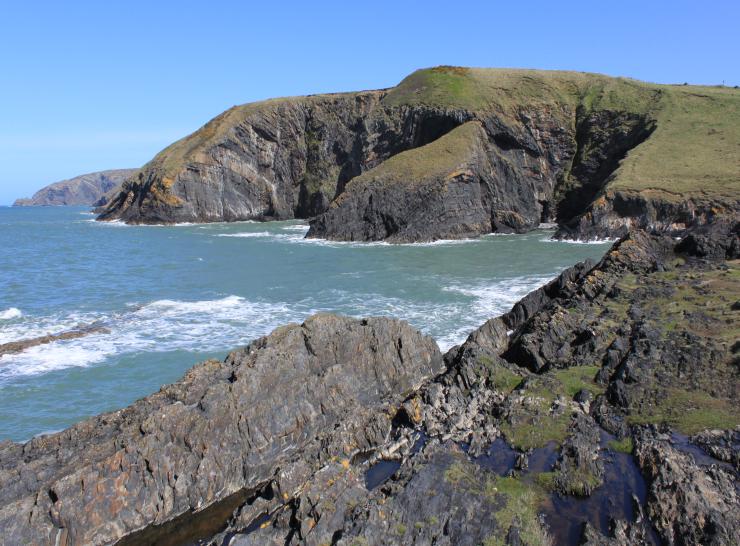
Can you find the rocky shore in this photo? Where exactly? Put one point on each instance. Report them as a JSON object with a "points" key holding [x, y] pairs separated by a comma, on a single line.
{"points": [[602, 409]]}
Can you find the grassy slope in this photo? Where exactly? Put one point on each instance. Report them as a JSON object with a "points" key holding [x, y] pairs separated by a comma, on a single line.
{"points": [[694, 149], [443, 157]]}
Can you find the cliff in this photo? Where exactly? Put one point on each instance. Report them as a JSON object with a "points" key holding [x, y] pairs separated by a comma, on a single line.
{"points": [[602, 409], [457, 152], [86, 189]]}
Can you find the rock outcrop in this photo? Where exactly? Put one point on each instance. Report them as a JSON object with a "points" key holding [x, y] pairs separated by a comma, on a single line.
{"points": [[454, 152], [689, 503], [86, 189], [219, 437]]}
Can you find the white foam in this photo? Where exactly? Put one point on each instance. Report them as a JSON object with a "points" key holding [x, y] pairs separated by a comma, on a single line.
{"points": [[107, 223], [10, 314], [297, 227], [488, 300], [579, 241], [160, 326], [247, 234]]}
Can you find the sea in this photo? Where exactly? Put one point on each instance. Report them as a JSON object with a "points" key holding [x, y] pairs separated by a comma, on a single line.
{"points": [[168, 297]]}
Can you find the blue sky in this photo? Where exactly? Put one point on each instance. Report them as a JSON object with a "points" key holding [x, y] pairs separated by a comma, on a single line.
{"points": [[87, 86]]}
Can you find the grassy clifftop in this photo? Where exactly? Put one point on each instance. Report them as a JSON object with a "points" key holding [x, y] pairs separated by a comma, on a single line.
{"points": [[695, 149], [587, 135]]}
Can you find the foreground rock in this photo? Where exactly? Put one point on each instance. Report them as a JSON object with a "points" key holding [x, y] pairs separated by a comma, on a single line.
{"points": [[689, 503], [218, 437], [455, 152], [86, 189]]}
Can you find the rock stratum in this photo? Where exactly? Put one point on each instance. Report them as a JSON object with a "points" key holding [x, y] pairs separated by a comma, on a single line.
{"points": [[456, 152], [87, 189], [602, 409]]}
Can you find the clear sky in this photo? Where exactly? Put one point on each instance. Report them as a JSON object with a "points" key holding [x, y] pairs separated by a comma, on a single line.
{"points": [[86, 86]]}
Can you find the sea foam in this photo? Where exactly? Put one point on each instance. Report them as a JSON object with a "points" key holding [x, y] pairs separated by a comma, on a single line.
{"points": [[10, 313], [165, 325]]}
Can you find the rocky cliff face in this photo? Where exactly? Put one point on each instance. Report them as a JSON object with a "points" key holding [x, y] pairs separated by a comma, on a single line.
{"points": [[275, 160], [450, 152], [86, 189], [602, 409]]}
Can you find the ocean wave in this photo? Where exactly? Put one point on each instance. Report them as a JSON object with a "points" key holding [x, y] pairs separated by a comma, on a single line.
{"points": [[296, 227], [488, 300], [299, 238], [579, 241], [247, 234], [159, 326], [10, 313], [218, 325]]}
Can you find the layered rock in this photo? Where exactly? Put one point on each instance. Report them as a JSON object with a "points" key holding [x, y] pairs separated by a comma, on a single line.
{"points": [[86, 189], [275, 160], [327, 388]]}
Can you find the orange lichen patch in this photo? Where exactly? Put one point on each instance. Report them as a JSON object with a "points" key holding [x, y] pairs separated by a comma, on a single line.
{"points": [[345, 464], [459, 172]]}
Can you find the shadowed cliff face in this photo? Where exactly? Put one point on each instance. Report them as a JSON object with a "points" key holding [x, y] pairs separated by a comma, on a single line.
{"points": [[402, 173], [494, 174], [279, 160]]}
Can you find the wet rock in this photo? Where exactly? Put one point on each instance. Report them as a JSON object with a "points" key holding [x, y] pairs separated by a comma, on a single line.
{"points": [[19, 346], [579, 470], [442, 498], [688, 503], [723, 445], [304, 393]]}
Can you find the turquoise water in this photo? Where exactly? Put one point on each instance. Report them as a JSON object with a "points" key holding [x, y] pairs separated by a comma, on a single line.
{"points": [[172, 296]]}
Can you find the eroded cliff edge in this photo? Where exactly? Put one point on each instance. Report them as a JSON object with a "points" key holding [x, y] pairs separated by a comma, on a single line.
{"points": [[457, 152], [602, 409]]}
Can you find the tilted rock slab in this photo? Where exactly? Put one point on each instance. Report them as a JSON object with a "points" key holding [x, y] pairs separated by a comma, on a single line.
{"points": [[328, 387]]}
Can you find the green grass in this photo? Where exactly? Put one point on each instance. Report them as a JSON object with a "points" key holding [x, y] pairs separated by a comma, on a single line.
{"points": [[516, 501], [625, 445], [690, 412], [577, 378], [536, 424], [502, 379], [546, 480], [443, 158], [694, 149], [579, 485]]}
